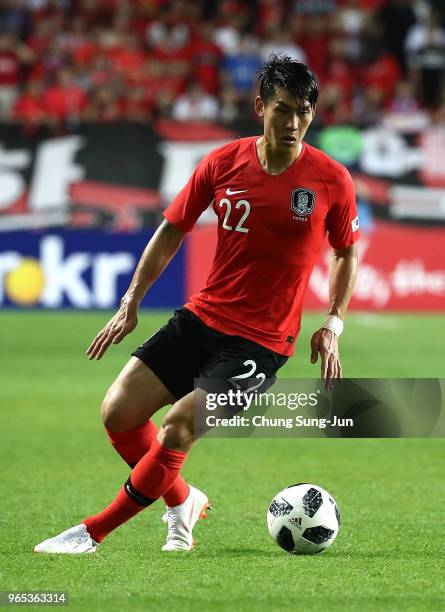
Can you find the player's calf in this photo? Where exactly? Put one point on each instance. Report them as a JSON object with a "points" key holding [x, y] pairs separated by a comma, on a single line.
{"points": [[177, 430]]}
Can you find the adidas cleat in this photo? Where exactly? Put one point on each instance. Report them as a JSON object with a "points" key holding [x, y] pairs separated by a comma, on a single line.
{"points": [[181, 520], [76, 540]]}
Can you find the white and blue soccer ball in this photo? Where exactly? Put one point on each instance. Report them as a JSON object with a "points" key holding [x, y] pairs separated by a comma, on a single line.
{"points": [[303, 519]]}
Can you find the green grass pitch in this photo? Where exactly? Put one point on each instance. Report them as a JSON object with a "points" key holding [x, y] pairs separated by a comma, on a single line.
{"points": [[58, 467]]}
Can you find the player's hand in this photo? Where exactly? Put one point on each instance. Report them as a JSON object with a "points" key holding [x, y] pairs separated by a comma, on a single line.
{"points": [[325, 342], [123, 322]]}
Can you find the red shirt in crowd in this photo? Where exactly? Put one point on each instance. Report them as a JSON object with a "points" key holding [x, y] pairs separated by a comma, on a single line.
{"points": [[28, 108], [9, 68], [62, 103], [84, 53], [206, 61], [382, 74], [270, 231], [342, 74]]}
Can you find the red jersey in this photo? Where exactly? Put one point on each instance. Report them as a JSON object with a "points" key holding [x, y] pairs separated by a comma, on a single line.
{"points": [[270, 231]]}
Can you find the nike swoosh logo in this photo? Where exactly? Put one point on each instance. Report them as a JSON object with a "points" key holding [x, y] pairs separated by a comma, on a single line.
{"points": [[230, 192]]}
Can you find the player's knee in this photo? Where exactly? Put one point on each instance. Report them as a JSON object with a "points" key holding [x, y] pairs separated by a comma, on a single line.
{"points": [[113, 413]]}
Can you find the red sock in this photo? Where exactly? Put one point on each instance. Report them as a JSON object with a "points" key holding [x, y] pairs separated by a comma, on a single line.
{"points": [[152, 476], [134, 444]]}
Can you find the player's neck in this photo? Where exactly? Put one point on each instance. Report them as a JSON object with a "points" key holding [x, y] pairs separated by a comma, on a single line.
{"points": [[273, 161]]}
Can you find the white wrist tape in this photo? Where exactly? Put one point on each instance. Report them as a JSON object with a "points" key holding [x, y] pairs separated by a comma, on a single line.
{"points": [[335, 324]]}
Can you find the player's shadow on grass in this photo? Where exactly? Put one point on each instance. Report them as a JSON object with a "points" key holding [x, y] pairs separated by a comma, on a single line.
{"points": [[385, 554], [236, 553], [251, 552]]}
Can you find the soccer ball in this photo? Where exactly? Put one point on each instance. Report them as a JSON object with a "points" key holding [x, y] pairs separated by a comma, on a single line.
{"points": [[303, 519]]}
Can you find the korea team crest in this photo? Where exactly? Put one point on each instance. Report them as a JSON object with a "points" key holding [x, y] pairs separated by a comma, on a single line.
{"points": [[302, 201]]}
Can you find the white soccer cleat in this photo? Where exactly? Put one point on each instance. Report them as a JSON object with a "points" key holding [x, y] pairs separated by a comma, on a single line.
{"points": [[75, 540], [181, 520]]}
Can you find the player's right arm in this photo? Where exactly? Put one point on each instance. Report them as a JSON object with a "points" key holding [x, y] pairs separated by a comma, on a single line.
{"points": [[180, 217], [157, 254]]}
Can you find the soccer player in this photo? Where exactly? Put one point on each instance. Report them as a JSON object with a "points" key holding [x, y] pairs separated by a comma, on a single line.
{"points": [[275, 198]]}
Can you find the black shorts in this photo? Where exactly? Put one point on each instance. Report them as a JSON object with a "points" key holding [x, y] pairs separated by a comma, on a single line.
{"points": [[185, 350]]}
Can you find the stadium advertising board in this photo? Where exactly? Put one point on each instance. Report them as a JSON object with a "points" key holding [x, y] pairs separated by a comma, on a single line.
{"points": [[400, 269], [82, 269], [113, 175]]}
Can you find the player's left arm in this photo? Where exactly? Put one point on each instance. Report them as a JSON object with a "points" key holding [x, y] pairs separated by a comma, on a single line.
{"points": [[342, 274], [342, 225]]}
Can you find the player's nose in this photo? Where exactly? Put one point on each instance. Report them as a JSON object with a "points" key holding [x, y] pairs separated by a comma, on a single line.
{"points": [[292, 123]]}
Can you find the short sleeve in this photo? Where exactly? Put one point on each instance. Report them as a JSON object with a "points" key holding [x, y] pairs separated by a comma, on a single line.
{"points": [[193, 199], [342, 220]]}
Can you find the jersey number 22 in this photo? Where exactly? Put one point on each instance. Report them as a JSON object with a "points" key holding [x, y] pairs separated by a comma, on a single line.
{"points": [[239, 226]]}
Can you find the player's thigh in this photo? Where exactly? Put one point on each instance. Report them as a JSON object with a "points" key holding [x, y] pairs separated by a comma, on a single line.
{"points": [[236, 364], [174, 352], [135, 395]]}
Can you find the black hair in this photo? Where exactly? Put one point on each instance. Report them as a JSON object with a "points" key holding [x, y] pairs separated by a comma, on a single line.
{"points": [[295, 77]]}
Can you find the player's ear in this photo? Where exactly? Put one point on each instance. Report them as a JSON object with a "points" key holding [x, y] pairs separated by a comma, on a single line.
{"points": [[259, 107]]}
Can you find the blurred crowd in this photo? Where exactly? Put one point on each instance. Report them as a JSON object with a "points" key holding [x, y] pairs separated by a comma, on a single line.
{"points": [[68, 61]]}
